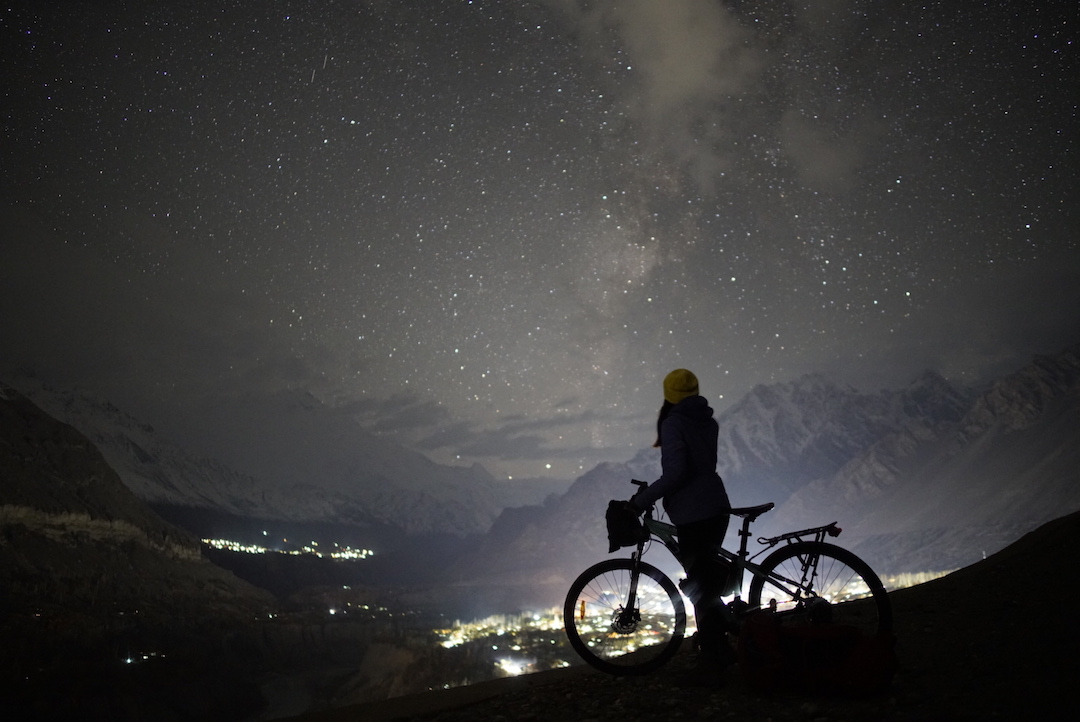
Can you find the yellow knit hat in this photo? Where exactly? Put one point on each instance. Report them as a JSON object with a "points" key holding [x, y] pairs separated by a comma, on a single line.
{"points": [[679, 384]]}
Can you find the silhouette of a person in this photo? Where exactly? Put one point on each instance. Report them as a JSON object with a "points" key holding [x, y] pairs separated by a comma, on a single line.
{"points": [[697, 503]]}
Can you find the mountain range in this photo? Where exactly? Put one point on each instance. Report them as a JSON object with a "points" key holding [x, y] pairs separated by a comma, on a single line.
{"points": [[316, 466], [931, 476]]}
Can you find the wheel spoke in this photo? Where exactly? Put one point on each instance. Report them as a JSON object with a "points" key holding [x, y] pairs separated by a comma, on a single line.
{"points": [[823, 584]]}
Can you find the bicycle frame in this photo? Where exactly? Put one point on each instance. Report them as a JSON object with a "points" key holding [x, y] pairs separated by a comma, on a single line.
{"points": [[802, 579], [741, 560]]}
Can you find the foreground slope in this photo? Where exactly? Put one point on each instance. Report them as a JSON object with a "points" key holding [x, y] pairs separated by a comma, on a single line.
{"points": [[971, 646]]}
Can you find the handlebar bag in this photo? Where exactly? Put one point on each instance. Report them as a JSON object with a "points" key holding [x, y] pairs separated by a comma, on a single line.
{"points": [[624, 527]]}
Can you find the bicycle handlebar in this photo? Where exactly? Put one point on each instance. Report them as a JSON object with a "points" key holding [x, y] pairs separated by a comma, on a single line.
{"points": [[641, 485]]}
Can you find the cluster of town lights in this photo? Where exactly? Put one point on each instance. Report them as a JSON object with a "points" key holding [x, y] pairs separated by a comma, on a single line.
{"points": [[503, 632], [338, 551]]}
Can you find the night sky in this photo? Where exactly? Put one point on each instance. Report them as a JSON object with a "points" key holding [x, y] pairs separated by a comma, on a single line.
{"points": [[488, 229]]}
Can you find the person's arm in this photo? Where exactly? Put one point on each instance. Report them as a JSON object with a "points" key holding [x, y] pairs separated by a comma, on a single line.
{"points": [[674, 464]]}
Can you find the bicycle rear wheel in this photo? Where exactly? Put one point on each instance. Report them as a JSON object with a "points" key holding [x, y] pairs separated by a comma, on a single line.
{"points": [[818, 583], [609, 634]]}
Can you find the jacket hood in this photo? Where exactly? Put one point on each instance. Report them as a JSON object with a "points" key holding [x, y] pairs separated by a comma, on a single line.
{"points": [[694, 407]]}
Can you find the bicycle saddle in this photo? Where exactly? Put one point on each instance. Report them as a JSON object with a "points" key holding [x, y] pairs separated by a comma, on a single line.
{"points": [[752, 512]]}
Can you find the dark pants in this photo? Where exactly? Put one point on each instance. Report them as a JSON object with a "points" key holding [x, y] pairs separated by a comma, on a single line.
{"points": [[698, 544]]}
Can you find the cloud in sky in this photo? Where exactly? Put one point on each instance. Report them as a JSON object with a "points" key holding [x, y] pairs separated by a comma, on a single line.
{"points": [[679, 69], [700, 80]]}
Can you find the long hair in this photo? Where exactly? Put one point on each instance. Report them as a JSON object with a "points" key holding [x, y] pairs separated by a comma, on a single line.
{"points": [[664, 411]]}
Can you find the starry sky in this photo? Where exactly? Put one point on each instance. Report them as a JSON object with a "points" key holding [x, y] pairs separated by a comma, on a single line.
{"points": [[488, 229]]}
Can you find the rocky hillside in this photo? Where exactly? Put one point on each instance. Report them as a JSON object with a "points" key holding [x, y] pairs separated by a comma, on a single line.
{"points": [[70, 525], [92, 578]]}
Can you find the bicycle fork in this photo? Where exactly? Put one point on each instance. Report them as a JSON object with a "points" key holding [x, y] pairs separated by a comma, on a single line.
{"points": [[626, 618]]}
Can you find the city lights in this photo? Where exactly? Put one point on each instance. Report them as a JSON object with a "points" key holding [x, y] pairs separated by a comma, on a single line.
{"points": [[516, 643], [339, 551]]}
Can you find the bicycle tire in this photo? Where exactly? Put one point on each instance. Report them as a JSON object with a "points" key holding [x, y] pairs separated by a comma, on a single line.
{"points": [[855, 595], [591, 617]]}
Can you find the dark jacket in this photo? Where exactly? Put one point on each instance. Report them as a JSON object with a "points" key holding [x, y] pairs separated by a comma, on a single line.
{"points": [[690, 487]]}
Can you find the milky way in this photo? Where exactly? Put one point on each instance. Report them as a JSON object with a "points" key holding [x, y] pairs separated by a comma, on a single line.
{"points": [[489, 228]]}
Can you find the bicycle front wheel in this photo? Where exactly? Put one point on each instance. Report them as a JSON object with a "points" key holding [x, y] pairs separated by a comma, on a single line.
{"points": [[817, 583], [618, 637]]}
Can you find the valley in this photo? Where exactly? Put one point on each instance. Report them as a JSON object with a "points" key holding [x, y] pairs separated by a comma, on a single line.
{"points": [[148, 582]]}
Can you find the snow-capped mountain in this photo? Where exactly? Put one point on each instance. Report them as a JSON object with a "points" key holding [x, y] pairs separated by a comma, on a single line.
{"points": [[778, 438], [954, 490], [316, 468]]}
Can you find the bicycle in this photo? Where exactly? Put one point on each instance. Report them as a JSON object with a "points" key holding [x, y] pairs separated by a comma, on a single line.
{"points": [[626, 616]]}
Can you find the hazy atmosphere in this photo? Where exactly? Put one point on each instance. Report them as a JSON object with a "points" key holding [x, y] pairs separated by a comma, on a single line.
{"points": [[487, 229]]}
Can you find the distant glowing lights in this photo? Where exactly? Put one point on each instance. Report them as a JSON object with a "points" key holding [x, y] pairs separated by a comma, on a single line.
{"points": [[339, 552]]}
